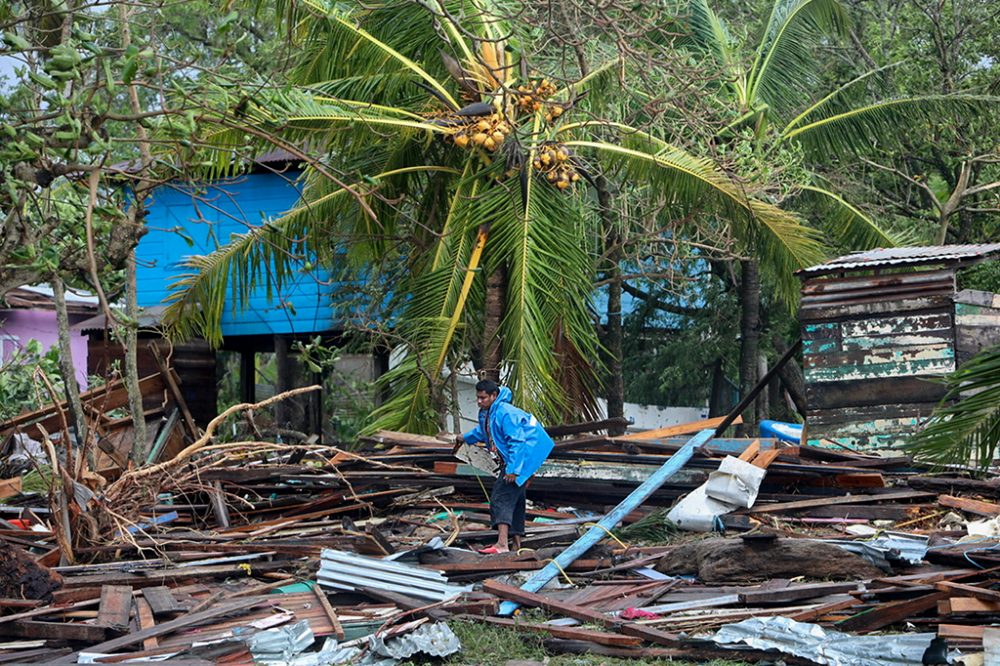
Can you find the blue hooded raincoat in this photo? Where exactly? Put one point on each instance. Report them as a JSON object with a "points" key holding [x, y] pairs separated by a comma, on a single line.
{"points": [[517, 435]]}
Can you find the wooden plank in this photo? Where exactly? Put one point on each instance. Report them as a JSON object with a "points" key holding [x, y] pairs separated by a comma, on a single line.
{"points": [[861, 393], [883, 615], [161, 601], [876, 306], [905, 324], [813, 614], [191, 619], [937, 362], [944, 336], [217, 499], [878, 356], [520, 596], [846, 499], [573, 633], [66, 631], [751, 451], [104, 399], [977, 297], [961, 589], [869, 413], [765, 459], [115, 607], [497, 564], [989, 488], [672, 431], [960, 631], [972, 605], [977, 507], [379, 539], [795, 592], [175, 391], [331, 614], [146, 621]]}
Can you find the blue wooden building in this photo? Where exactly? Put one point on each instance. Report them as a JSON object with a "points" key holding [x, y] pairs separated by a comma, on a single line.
{"points": [[186, 219]]}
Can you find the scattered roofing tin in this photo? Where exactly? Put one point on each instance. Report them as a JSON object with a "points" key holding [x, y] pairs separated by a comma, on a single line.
{"points": [[348, 571]]}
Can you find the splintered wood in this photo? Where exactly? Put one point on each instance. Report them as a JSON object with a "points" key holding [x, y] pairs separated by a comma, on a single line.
{"points": [[229, 541]]}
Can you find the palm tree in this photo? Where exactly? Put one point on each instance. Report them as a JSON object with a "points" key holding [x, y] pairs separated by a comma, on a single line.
{"points": [[439, 150], [776, 111], [968, 429]]}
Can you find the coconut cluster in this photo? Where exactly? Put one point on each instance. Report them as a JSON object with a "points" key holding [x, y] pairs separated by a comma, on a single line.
{"points": [[531, 97], [488, 133], [554, 161]]}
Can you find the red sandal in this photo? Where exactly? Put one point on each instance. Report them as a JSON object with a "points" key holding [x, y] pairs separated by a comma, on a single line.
{"points": [[490, 550]]}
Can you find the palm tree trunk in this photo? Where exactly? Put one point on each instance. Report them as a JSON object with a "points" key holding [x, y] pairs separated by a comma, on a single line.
{"points": [[496, 289], [749, 337]]}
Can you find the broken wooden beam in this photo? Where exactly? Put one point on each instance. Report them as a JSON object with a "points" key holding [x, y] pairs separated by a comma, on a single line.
{"points": [[522, 596]]}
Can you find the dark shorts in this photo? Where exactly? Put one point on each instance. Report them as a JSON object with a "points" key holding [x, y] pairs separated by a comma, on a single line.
{"points": [[507, 506]]}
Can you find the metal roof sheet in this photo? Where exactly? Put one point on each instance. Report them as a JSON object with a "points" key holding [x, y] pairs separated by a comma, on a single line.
{"points": [[903, 256]]}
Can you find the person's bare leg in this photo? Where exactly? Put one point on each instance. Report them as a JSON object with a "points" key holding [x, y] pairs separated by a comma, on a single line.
{"points": [[502, 529], [517, 542]]}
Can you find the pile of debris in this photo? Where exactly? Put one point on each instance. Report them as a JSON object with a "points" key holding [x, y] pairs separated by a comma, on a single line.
{"points": [[304, 554]]}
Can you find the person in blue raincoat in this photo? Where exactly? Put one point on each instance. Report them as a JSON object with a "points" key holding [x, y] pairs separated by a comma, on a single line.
{"points": [[522, 445]]}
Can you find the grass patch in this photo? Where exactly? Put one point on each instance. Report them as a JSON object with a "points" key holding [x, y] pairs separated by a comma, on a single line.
{"points": [[487, 645]]}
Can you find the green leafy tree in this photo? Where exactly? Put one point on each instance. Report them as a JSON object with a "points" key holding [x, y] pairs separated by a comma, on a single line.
{"points": [[784, 125], [433, 148], [20, 390]]}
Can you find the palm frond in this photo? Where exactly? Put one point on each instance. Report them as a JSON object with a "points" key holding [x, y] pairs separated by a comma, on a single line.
{"points": [[781, 238], [710, 34], [848, 223], [784, 65], [842, 98], [269, 255], [339, 44], [967, 431], [860, 128], [426, 321], [549, 276]]}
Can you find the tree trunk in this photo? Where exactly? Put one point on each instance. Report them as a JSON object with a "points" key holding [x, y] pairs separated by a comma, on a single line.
{"points": [[613, 334], [140, 445], [749, 337], [496, 289], [763, 400], [719, 403], [66, 368], [791, 377]]}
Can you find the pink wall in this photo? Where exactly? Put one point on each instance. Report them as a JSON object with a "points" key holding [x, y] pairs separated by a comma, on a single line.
{"points": [[19, 326]]}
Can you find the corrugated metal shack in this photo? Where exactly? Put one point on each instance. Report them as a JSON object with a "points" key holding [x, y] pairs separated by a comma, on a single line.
{"points": [[876, 326]]}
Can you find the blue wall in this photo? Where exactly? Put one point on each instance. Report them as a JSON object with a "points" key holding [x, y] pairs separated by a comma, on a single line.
{"points": [[182, 224]]}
